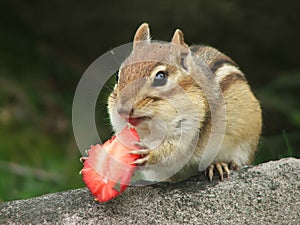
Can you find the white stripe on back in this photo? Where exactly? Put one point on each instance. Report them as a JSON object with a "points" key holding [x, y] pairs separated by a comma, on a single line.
{"points": [[225, 70]]}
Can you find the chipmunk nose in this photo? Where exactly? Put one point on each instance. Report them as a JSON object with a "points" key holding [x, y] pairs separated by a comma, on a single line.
{"points": [[125, 111]]}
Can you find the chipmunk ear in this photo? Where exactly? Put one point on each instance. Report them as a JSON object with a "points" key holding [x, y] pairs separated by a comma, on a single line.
{"points": [[142, 34], [178, 38]]}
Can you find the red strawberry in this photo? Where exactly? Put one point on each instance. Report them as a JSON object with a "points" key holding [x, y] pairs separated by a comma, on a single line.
{"points": [[107, 170]]}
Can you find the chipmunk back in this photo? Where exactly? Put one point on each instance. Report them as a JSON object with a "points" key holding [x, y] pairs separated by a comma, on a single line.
{"points": [[158, 94]]}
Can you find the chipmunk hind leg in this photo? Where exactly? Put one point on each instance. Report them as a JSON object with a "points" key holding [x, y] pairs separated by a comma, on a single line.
{"points": [[222, 168], [231, 157]]}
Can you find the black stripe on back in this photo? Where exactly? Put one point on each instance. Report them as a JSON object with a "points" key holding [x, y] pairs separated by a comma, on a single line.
{"points": [[196, 48], [220, 63]]}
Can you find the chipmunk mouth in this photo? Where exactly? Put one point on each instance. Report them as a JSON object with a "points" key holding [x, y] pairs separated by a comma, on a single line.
{"points": [[135, 121]]}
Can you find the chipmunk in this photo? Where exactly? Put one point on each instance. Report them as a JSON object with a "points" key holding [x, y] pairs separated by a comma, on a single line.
{"points": [[157, 94]]}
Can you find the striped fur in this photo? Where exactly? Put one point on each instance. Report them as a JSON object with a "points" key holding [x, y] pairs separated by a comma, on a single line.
{"points": [[225, 69]]}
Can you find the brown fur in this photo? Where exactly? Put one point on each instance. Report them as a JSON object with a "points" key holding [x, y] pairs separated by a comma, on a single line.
{"points": [[230, 80]]}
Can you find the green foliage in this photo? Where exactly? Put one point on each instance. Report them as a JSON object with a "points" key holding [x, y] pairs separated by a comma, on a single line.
{"points": [[37, 151], [281, 112], [287, 142]]}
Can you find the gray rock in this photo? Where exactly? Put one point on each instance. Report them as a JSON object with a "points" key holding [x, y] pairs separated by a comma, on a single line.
{"points": [[265, 194]]}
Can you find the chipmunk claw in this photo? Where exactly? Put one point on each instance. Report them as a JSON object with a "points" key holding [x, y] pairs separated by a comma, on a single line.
{"points": [[140, 152], [140, 145], [143, 151], [221, 168], [141, 161], [82, 159]]}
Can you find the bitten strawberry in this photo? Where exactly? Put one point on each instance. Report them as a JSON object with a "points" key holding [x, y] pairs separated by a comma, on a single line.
{"points": [[107, 169]]}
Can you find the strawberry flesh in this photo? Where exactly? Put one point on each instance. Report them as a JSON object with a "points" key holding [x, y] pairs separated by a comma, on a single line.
{"points": [[107, 170]]}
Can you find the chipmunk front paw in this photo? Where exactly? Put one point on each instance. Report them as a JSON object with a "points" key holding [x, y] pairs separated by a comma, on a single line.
{"points": [[220, 168], [143, 151]]}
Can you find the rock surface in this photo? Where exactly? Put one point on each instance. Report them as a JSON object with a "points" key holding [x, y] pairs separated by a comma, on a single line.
{"points": [[265, 194]]}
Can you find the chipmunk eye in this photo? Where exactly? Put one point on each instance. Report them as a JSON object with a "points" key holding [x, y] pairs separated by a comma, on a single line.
{"points": [[160, 78]]}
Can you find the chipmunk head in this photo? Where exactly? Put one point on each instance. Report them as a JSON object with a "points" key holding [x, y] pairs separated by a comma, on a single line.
{"points": [[154, 84]]}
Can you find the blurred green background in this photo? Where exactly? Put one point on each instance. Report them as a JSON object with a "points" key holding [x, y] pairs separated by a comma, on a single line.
{"points": [[45, 46]]}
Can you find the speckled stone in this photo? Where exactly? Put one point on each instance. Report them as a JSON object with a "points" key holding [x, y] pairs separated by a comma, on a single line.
{"points": [[265, 194]]}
